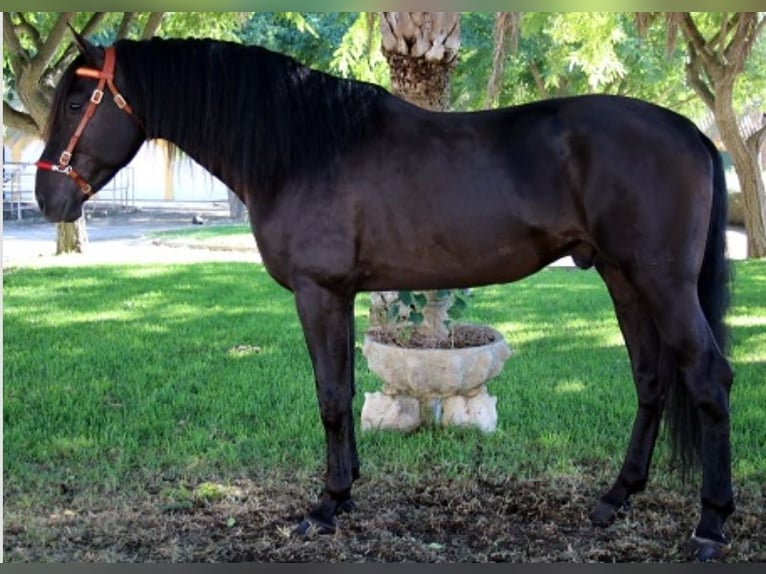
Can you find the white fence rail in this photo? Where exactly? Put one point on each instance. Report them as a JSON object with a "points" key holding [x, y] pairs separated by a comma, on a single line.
{"points": [[19, 190]]}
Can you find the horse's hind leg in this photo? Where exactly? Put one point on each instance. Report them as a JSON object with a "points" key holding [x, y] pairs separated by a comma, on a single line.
{"points": [[675, 308], [644, 350], [327, 321]]}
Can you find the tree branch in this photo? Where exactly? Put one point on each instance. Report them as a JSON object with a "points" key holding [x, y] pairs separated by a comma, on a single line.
{"points": [[506, 37], [693, 69], [152, 25], [92, 23], [17, 54], [726, 25], [372, 20], [745, 34], [697, 41], [52, 43], [125, 22], [23, 122], [616, 86], [643, 21], [30, 30], [539, 81], [671, 32]]}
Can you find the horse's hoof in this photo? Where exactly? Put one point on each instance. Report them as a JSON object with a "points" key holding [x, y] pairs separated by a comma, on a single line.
{"points": [[705, 549], [347, 505], [605, 514], [310, 528]]}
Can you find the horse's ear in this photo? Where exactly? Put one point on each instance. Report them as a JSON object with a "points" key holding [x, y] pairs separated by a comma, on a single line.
{"points": [[93, 54]]}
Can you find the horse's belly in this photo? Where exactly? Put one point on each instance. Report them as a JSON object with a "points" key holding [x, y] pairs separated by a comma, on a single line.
{"points": [[419, 271]]}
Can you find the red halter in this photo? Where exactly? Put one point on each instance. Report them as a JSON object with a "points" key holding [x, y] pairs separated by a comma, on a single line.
{"points": [[104, 76]]}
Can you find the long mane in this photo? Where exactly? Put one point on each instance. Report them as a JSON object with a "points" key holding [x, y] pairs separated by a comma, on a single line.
{"points": [[254, 115]]}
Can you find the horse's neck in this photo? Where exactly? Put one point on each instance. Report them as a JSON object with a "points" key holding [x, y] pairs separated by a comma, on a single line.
{"points": [[204, 151], [260, 125], [192, 126]]}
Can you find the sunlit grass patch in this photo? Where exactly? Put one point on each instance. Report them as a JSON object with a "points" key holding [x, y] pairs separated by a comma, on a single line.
{"points": [[204, 232]]}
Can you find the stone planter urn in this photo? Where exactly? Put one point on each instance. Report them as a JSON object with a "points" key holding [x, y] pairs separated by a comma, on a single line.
{"points": [[424, 386]]}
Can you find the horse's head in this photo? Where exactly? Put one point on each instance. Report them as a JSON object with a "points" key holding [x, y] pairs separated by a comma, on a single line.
{"points": [[91, 134]]}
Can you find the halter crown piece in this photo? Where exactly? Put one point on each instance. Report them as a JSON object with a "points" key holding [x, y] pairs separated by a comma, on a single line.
{"points": [[104, 76]]}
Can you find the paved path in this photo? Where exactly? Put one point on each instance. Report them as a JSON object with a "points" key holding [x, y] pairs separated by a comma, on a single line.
{"points": [[121, 238], [124, 238]]}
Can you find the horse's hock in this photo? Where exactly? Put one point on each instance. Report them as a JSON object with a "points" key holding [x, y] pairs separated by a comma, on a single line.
{"points": [[433, 386]]}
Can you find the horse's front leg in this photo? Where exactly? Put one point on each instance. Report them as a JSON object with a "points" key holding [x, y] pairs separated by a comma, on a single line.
{"points": [[328, 325]]}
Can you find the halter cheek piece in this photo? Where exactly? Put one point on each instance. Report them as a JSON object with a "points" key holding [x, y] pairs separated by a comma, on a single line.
{"points": [[104, 76]]}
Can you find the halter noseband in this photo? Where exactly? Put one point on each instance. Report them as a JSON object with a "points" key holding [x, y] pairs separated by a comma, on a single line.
{"points": [[104, 76]]}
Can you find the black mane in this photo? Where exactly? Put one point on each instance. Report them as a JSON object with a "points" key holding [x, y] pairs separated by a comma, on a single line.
{"points": [[250, 115]]}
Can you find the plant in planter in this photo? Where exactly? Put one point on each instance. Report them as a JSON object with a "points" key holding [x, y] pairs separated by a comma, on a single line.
{"points": [[419, 318], [434, 369]]}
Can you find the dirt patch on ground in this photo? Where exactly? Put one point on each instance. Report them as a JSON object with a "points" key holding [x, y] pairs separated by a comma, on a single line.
{"points": [[461, 336], [467, 520]]}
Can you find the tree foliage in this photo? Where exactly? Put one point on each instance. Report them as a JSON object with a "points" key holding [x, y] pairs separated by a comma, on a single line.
{"points": [[561, 54], [661, 57]]}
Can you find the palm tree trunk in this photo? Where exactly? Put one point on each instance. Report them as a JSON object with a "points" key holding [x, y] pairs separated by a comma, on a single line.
{"points": [[421, 50]]}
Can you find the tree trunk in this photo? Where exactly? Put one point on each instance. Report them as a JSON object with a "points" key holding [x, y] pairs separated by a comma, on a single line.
{"points": [[421, 50], [237, 209], [71, 237], [712, 70], [747, 167], [753, 194]]}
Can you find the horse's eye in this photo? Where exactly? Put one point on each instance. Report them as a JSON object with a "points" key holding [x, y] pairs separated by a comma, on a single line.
{"points": [[75, 106]]}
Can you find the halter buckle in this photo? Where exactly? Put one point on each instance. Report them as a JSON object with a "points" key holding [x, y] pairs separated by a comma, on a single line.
{"points": [[97, 96], [65, 169], [120, 101], [65, 157]]}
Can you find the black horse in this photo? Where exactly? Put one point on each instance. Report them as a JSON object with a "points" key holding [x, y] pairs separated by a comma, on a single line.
{"points": [[351, 189]]}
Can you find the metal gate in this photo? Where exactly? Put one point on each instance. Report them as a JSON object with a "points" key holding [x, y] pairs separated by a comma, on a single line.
{"points": [[19, 191]]}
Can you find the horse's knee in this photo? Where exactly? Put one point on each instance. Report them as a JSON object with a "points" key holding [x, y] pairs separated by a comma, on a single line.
{"points": [[335, 416]]}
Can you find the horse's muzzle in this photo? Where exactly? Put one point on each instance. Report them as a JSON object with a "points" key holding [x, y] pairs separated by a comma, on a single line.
{"points": [[65, 210]]}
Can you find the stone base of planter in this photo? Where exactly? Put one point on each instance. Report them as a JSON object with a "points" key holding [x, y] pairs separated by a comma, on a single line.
{"points": [[404, 413], [478, 411], [390, 412]]}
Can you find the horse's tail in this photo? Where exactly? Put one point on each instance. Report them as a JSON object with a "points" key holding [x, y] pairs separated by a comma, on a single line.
{"points": [[682, 421], [713, 287]]}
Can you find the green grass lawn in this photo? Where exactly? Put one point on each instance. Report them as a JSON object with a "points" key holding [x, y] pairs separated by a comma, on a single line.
{"points": [[117, 377]]}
